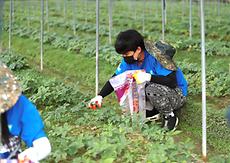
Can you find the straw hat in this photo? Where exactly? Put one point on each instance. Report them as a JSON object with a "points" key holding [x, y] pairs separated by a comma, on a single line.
{"points": [[163, 52], [9, 88]]}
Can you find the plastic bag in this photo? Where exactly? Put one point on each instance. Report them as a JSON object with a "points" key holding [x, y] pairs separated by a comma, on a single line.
{"points": [[130, 95]]}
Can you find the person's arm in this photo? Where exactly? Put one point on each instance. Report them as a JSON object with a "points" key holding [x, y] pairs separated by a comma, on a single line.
{"points": [[107, 89], [169, 80], [40, 149], [32, 132]]}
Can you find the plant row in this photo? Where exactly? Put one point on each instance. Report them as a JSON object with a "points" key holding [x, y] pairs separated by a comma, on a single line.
{"points": [[75, 44], [78, 134], [217, 82], [179, 29]]}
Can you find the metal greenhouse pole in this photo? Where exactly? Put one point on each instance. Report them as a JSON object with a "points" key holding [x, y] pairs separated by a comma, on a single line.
{"points": [[10, 23], [110, 7], [74, 16], [42, 32], [203, 71], [190, 19], [163, 20], [97, 44]]}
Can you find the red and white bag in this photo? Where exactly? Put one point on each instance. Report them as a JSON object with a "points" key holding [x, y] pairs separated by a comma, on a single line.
{"points": [[130, 95]]}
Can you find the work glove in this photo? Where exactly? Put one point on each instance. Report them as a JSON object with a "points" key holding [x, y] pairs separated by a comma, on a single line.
{"points": [[29, 155], [141, 77], [40, 149], [96, 102]]}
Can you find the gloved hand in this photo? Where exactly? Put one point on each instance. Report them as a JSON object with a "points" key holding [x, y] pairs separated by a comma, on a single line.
{"points": [[41, 148], [141, 77], [95, 102], [28, 155]]}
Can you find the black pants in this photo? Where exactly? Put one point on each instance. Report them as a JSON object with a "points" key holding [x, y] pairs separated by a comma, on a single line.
{"points": [[163, 99]]}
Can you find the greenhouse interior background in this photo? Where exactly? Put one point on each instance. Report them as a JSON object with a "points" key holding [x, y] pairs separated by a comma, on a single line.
{"points": [[62, 53]]}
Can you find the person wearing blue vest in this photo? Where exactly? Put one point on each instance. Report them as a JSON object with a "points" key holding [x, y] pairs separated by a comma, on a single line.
{"points": [[20, 120], [166, 87]]}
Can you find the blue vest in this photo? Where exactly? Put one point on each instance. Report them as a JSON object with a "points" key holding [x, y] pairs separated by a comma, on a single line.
{"points": [[152, 66], [25, 121]]}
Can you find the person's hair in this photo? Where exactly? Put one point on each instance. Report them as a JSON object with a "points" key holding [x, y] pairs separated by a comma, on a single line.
{"points": [[129, 40], [5, 130]]}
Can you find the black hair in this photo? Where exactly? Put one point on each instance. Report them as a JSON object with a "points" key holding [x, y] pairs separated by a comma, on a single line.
{"points": [[5, 130], [129, 40]]}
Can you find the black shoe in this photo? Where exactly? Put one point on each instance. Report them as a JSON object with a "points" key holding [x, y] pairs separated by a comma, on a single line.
{"points": [[170, 123], [152, 115]]}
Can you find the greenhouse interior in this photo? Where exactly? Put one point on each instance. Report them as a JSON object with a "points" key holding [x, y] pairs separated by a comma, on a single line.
{"points": [[115, 81]]}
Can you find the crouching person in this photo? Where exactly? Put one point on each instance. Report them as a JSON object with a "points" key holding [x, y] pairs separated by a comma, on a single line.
{"points": [[20, 120], [166, 87]]}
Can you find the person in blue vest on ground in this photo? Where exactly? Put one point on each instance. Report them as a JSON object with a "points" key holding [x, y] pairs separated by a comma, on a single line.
{"points": [[20, 120], [166, 87]]}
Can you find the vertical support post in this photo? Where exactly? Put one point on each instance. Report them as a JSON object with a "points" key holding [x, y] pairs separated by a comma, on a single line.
{"points": [[10, 23], [110, 7], [204, 137], [163, 19], [42, 33], [97, 45], [74, 16], [190, 19]]}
